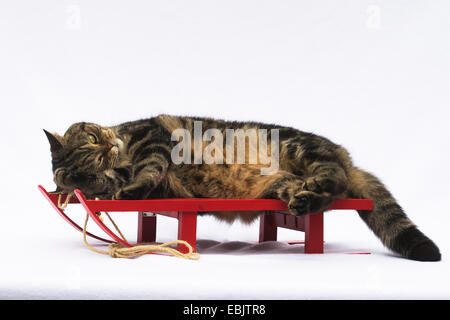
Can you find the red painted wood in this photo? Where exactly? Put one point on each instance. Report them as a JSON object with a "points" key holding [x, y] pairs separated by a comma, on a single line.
{"points": [[53, 199], [146, 228], [185, 210], [314, 233], [187, 230], [169, 206], [288, 221], [171, 214], [210, 205], [267, 228]]}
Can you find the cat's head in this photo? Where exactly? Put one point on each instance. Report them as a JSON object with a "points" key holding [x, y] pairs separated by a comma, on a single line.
{"points": [[85, 147]]}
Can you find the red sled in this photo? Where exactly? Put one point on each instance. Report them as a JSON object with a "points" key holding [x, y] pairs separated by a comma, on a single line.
{"points": [[275, 215]]}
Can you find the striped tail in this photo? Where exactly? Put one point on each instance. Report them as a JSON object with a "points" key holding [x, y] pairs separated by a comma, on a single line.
{"points": [[388, 220]]}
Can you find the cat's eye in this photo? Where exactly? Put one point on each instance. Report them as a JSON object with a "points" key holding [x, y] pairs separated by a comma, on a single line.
{"points": [[92, 139]]}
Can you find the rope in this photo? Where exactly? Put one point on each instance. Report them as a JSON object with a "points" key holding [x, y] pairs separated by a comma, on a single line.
{"points": [[66, 202], [115, 226], [117, 250]]}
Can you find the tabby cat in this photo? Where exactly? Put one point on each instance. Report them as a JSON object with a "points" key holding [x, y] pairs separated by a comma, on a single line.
{"points": [[134, 160]]}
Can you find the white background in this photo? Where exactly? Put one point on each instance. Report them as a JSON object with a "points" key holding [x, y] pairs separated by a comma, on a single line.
{"points": [[373, 76]]}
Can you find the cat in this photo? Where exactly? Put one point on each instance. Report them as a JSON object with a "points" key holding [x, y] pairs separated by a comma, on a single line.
{"points": [[134, 160]]}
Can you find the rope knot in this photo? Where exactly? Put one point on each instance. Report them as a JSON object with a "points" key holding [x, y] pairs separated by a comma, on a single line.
{"points": [[113, 250]]}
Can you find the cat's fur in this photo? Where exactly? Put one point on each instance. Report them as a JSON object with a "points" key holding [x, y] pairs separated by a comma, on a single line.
{"points": [[133, 161]]}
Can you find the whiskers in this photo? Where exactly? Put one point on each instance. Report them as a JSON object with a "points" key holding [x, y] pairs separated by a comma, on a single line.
{"points": [[109, 158]]}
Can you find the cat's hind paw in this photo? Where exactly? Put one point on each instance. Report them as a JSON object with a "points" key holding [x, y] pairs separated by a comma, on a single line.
{"points": [[306, 202]]}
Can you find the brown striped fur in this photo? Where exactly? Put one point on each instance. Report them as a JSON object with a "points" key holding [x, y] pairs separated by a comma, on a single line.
{"points": [[133, 161]]}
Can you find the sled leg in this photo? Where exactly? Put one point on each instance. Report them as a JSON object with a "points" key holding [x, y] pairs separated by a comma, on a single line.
{"points": [[146, 227], [314, 233], [187, 230], [267, 228]]}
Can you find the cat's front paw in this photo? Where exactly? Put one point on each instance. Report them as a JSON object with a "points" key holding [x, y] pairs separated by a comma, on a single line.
{"points": [[65, 179], [124, 194], [132, 192], [59, 175], [306, 202]]}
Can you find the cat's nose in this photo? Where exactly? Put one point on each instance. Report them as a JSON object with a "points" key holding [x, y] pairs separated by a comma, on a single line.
{"points": [[110, 145]]}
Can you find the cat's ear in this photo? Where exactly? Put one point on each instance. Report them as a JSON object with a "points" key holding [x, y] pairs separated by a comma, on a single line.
{"points": [[55, 143]]}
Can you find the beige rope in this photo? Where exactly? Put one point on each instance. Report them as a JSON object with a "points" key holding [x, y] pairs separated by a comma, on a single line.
{"points": [[66, 202], [115, 226], [113, 223], [117, 250]]}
